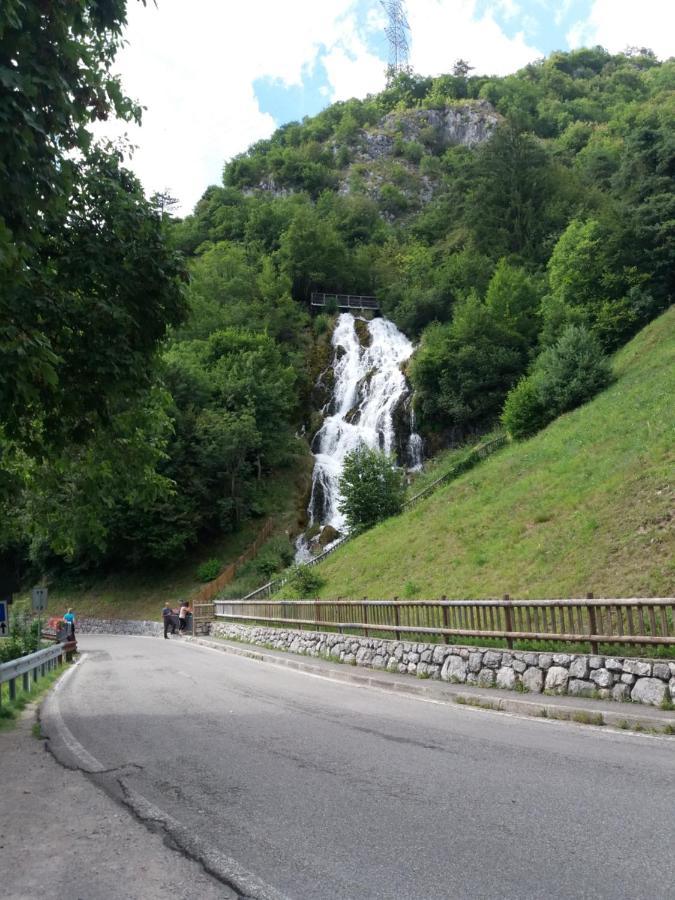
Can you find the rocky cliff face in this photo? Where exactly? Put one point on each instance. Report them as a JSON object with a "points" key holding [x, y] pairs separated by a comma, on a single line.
{"points": [[377, 159], [468, 124]]}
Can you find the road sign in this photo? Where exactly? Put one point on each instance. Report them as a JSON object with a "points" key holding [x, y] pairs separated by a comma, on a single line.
{"points": [[39, 597], [4, 624]]}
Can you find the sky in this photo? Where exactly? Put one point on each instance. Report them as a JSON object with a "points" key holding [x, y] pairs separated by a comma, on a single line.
{"points": [[215, 76]]}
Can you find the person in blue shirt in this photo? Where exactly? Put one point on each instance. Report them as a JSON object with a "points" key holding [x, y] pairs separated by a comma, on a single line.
{"points": [[69, 619]]}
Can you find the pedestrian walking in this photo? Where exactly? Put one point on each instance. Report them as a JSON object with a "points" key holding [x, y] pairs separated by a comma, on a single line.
{"points": [[69, 619], [183, 613], [169, 620]]}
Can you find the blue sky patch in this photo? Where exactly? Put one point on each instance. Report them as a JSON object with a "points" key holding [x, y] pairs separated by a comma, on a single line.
{"points": [[544, 23], [290, 103]]}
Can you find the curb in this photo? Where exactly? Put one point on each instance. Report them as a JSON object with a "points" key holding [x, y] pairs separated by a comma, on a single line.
{"points": [[492, 700]]}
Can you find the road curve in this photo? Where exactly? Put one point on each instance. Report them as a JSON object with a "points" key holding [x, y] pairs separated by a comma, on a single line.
{"points": [[305, 788]]}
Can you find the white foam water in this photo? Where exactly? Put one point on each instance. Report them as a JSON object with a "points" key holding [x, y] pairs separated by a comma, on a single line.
{"points": [[369, 384]]}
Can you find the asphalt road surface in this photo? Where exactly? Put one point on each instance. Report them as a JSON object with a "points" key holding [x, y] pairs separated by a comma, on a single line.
{"points": [[288, 785]]}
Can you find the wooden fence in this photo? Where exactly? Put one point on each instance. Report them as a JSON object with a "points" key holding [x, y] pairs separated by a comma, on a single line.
{"points": [[608, 621], [202, 604]]}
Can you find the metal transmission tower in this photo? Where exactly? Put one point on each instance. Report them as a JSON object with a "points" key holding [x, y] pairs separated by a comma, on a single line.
{"points": [[397, 32]]}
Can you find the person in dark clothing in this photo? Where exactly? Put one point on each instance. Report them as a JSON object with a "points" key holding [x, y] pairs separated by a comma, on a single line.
{"points": [[168, 616]]}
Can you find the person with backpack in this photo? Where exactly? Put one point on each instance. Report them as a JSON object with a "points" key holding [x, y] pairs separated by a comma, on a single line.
{"points": [[168, 617]]}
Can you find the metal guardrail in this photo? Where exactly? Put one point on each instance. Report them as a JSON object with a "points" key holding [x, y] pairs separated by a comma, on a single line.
{"points": [[475, 455], [344, 301], [607, 621], [40, 662]]}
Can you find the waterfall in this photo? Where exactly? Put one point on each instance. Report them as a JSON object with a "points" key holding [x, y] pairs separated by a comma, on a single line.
{"points": [[369, 385]]}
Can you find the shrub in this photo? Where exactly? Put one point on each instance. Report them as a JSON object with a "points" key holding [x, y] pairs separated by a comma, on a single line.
{"points": [[524, 412], [274, 556], [372, 487], [307, 580], [572, 371], [321, 324], [209, 570], [563, 377]]}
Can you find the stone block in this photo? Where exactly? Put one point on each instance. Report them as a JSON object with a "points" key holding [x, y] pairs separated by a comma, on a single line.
{"points": [[392, 665], [602, 678], [627, 679], [379, 662], [596, 662], [519, 666], [671, 688], [652, 691], [426, 655], [507, 659], [506, 678], [561, 659], [412, 668], [545, 661], [486, 678], [475, 662], [556, 679], [621, 693], [413, 657], [454, 670], [492, 659], [637, 667], [661, 670], [398, 651], [472, 678], [422, 670], [532, 659], [577, 687], [614, 665], [533, 680], [579, 667], [439, 655]]}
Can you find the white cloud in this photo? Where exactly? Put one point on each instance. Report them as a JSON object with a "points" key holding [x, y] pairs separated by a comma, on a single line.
{"points": [[617, 24], [193, 67], [446, 30]]}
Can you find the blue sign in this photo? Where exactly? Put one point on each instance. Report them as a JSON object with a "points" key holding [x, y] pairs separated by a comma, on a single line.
{"points": [[4, 629]]}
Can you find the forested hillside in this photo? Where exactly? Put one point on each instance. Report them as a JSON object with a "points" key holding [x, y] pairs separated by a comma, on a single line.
{"points": [[500, 221]]}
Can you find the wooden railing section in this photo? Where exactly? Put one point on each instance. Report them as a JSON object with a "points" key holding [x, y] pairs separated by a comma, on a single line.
{"points": [[202, 603], [344, 301], [596, 621]]}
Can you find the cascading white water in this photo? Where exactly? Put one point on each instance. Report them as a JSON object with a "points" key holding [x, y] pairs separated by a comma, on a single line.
{"points": [[369, 384]]}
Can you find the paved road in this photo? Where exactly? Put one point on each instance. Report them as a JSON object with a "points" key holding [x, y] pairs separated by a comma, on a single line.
{"points": [[310, 789]]}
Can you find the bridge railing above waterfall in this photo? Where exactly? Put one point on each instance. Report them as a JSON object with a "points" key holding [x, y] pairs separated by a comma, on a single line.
{"points": [[344, 301]]}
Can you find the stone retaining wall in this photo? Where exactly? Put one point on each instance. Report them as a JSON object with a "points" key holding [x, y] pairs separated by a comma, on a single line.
{"points": [[118, 626], [607, 678]]}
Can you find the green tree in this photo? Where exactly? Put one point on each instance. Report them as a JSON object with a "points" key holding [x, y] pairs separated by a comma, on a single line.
{"points": [[372, 488], [563, 377], [463, 370]]}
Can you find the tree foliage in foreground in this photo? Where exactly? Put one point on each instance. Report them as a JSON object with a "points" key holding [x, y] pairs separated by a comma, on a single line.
{"points": [[372, 488]]}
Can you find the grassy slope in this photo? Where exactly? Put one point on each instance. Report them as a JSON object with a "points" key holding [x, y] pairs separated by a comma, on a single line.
{"points": [[586, 505], [141, 594]]}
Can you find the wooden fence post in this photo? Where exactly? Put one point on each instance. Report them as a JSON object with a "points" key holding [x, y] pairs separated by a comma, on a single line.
{"points": [[592, 625], [508, 620], [365, 617], [446, 622], [397, 620]]}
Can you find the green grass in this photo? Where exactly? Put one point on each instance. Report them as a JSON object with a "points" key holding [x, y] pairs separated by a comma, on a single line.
{"points": [[586, 505], [141, 594], [10, 709]]}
